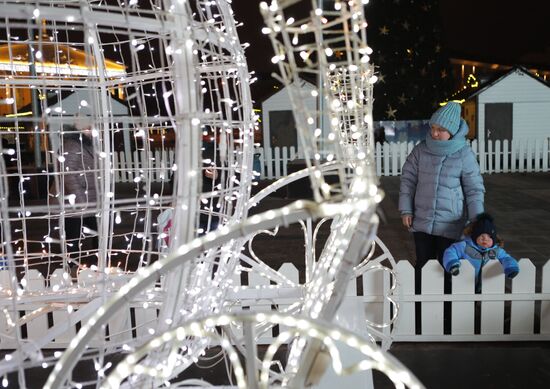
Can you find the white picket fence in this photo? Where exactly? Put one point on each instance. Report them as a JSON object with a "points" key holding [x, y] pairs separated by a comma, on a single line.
{"points": [[497, 323], [518, 155], [153, 166]]}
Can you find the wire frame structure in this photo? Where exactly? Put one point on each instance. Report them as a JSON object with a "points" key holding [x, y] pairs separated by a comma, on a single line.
{"points": [[329, 42], [127, 131], [139, 78]]}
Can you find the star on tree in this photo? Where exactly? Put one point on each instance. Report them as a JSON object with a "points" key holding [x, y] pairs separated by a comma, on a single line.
{"points": [[402, 99], [412, 60], [381, 78], [390, 112]]}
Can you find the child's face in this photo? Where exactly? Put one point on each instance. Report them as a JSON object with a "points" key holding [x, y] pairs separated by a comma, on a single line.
{"points": [[439, 133], [484, 240]]}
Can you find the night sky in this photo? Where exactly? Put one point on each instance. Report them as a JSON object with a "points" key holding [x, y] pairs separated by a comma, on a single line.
{"points": [[413, 40]]}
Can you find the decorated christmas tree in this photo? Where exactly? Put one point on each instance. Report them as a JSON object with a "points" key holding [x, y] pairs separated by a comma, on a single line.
{"points": [[413, 67]]}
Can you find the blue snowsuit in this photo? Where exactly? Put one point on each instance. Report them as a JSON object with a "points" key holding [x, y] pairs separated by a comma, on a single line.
{"points": [[478, 256]]}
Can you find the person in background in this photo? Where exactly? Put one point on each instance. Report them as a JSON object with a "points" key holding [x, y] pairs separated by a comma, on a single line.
{"points": [[481, 245], [79, 185], [441, 188], [208, 218]]}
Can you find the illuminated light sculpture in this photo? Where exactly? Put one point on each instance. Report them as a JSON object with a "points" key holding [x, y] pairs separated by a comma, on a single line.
{"points": [[184, 77], [164, 91], [328, 334], [309, 46]]}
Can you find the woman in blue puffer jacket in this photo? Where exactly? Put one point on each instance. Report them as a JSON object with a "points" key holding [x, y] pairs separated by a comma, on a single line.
{"points": [[481, 246], [441, 187]]}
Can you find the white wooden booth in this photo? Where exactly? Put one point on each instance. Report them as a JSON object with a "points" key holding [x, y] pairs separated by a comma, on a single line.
{"points": [[515, 106], [70, 105], [279, 104]]}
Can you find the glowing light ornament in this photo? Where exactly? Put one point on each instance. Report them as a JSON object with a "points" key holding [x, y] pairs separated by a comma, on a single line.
{"points": [[346, 93], [145, 83], [193, 47], [257, 370]]}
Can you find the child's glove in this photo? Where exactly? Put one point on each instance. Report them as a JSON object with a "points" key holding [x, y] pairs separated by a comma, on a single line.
{"points": [[511, 273], [454, 270]]}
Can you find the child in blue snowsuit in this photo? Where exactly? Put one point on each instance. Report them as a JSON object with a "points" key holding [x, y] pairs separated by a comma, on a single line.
{"points": [[480, 247]]}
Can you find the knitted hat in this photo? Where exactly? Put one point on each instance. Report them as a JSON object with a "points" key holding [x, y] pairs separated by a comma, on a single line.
{"points": [[484, 225], [448, 117]]}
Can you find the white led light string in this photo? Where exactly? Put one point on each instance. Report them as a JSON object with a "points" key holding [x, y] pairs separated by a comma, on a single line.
{"points": [[116, 28], [306, 328], [208, 52], [341, 84]]}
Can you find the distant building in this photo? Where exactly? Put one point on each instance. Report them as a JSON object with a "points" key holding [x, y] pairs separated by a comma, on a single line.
{"points": [[52, 69], [279, 128], [515, 105], [57, 62], [468, 73]]}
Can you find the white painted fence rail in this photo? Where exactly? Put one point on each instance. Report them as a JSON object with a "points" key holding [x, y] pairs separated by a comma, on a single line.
{"points": [[153, 166], [518, 155], [501, 315]]}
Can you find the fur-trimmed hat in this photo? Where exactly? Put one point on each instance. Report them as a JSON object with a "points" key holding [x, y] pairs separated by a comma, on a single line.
{"points": [[448, 117], [484, 225]]}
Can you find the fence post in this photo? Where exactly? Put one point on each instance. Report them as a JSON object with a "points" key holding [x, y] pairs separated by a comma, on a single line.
{"points": [[260, 151], [59, 282], [116, 167], [394, 158], [522, 155], [171, 158], [498, 156], [489, 156], [513, 157], [123, 167], [482, 155], [402, 155], [506, 155], [285, 160], [38, 326], [530, 146], [523, 312], [538, 155], [432, 312], [378, 156], [291, 272], [492, 312], [277, 162], [373, 286], [291, 153], [386, 155], [158, 165], [269, 162], [545, 305], [256, 280], [404, 325], [462, 321], [545, 154]]}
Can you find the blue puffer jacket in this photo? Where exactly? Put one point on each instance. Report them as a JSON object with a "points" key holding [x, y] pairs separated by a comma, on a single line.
{"points": [[478, 257], [435, 189]]}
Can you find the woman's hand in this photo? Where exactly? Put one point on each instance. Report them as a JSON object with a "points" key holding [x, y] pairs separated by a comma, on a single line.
{"points": [[211, 173], [407, 220]]}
